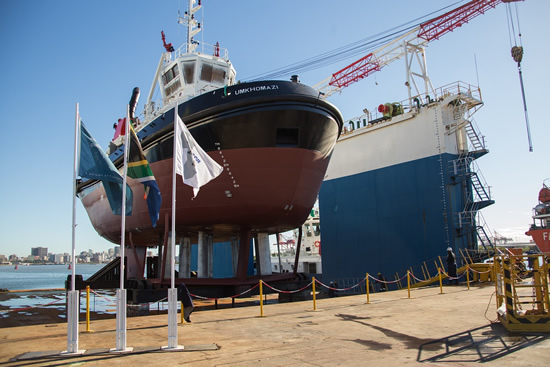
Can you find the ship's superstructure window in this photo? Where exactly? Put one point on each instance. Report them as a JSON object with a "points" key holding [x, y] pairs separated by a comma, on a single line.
{"points": [[170, 74], [213, 74], [316, 229], [189, 71], [172, 87], [171, 80]]}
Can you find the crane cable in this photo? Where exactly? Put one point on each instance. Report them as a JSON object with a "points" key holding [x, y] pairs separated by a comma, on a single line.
{"points": [[345, 52], [517, 55]]}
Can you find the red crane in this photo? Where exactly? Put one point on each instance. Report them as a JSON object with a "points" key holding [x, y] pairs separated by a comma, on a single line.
{"points": [[412, 41]]}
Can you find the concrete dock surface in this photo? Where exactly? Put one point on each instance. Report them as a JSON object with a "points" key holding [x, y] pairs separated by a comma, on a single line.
{"points": [[456, 328]]}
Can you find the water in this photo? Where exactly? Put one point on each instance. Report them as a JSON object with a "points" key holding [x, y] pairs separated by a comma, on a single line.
{"points": [[50, 277], [41, 276]]}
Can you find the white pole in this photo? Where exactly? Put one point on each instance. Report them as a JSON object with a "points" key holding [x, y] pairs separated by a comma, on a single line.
{"points": [[72, 295], [124, 178], [76, 146], [172, 292], [173, 239], [121, 292]]}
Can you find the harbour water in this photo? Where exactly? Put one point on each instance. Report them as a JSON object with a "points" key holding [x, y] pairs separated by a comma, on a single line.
{"points": [[41, 276], [34, 289]]}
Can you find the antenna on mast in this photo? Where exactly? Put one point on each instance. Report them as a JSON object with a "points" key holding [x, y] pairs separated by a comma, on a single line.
{"points": [[193, 26]]}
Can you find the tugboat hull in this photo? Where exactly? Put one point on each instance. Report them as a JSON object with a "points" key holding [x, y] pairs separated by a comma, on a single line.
{"points": [[274, 144]]}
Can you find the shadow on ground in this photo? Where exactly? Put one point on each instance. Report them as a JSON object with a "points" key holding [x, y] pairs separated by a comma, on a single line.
{"points": [[483, 344]]}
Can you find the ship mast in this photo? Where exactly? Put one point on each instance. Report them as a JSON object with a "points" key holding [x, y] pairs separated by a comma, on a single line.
{"points": [[193, 27]]}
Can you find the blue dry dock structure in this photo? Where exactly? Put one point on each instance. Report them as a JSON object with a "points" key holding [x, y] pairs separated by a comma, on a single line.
{"points": [[420, 195], [403, 184]]}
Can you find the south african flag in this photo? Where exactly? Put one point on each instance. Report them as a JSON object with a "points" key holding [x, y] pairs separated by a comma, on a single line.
{"points": [[138, 168]]}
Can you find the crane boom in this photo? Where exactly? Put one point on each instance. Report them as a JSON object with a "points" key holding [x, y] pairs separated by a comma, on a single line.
{"points": [[418, 37]]}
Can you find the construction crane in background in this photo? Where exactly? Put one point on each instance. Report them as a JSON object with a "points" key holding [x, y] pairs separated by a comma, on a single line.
{"points": [[411, 46]]}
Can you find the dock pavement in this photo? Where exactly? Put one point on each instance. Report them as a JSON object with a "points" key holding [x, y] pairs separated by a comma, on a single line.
{"points": [[455, 328]]}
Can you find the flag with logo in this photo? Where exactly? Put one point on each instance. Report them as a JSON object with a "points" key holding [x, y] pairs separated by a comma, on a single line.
{"points": [[94, 164], [192, 163], [139, 169]]}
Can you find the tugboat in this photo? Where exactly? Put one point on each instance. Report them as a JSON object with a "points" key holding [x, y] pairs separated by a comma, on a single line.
{"points": [[540, 229], [274, 140]]}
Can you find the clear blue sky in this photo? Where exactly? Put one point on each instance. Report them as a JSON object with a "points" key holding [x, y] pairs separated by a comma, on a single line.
{"points": [[57, 53]]}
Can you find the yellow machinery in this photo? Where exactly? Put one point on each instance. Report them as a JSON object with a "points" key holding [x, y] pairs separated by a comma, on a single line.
{"points": [[522, 292]]}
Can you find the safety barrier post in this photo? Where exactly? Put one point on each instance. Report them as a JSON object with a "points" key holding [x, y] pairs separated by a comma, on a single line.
{"points": [[440, 281], [261, 300], [409, 283], [88, 310], [314, 298], [468, 276], [367, 283], [181, 321]]}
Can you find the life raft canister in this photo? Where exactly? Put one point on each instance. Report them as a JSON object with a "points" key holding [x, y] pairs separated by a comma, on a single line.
{"points": [[544, 195]]}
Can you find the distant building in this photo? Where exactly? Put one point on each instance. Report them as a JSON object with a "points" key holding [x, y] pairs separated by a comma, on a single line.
{"points": [[40, 252]]}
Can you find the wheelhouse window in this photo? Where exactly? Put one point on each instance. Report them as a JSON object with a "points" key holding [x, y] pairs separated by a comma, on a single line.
{"points": [[172, 73], [188, 71], [213, 74], [171, 80]]}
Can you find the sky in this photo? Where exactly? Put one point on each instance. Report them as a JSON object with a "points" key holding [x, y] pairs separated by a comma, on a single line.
{"points": [[58, 53]]}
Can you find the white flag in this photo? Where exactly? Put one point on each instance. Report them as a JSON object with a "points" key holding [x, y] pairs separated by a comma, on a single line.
{"points": [[192, 163]]}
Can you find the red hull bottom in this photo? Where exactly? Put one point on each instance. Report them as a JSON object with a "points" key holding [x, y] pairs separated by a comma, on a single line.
{"points": [[265, 190]]}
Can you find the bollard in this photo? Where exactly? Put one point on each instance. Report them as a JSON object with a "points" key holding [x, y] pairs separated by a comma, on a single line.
{"points": [[314, 298], [440, 281], [409, 283], [367, 277], [261, 299], [88, 310], [181, 321], [468, 276]]}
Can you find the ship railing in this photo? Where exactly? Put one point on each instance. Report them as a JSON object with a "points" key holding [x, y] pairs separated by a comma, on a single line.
{"points": [[203, 48], [373, 116]]}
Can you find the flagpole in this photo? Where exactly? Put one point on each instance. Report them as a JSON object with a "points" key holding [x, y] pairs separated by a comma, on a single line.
{"points": [[121, 292], [76, 144], [73, 295], [173, 240], [172, 292]]}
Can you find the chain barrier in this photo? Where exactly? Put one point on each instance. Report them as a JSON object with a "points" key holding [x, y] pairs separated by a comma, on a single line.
{"points": [[388, 281], [229, 297], [361, 282], [102, 296], [287, 292], [340, 289]]}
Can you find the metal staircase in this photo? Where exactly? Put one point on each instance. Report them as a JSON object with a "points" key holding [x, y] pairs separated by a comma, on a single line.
{"points": [[465, 171]]}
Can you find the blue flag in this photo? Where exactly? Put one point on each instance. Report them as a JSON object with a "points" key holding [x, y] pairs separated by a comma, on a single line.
{"points": [[95, 164]]}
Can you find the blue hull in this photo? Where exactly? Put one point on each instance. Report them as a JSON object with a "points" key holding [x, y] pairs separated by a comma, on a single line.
{"points": [[391, 219]]}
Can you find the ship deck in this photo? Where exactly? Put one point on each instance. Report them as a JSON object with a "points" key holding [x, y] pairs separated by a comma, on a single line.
{"points": [[429, 329]]}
